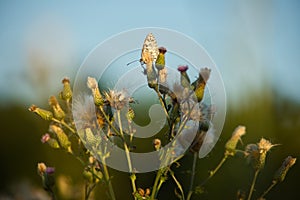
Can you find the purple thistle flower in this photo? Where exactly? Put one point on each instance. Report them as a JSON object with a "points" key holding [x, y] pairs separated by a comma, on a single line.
{"points": [[182, 68], [45, 138]]}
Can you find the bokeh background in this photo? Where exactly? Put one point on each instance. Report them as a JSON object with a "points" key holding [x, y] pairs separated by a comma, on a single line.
{"points": [[255, 44]]}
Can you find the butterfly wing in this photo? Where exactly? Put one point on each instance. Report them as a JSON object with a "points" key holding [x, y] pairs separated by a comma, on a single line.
{"points": [[150, 49]]}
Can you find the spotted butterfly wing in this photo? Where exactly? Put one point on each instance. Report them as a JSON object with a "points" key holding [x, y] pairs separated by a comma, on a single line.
{"points": [[150, 49]]}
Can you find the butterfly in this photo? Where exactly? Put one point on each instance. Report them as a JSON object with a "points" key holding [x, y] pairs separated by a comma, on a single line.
{"points": [[149, 50]]}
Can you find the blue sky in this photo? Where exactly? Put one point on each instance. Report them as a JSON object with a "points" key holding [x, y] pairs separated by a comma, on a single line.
{"points": [[252, 42]]}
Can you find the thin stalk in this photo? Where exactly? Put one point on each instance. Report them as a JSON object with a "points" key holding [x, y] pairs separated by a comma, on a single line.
{"points": [[107, 178], [84, 164], [64, 124], [177, 183], [107, 120], [155, 186], [130, 131], [268, 190], [163, 105], [192, 177], [161, 181], [132, 177], [88, 190], [253, 184], [212, 173], [52, 194]]}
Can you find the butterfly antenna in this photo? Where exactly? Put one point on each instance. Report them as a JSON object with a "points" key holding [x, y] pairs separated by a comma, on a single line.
{"points": [[132, 62]]}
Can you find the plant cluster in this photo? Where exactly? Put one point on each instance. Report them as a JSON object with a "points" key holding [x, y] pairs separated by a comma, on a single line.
{"points": [[89, 126]]}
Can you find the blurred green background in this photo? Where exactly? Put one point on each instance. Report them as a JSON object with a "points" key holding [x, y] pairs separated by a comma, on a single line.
{"points": [[255, 44]]}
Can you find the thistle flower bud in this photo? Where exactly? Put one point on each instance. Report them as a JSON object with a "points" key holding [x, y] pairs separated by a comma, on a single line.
{"points": [[63, 139], [252, 154], [147, 192], [57, 111], [282, 171], [50, 141], [184, 78], [199, 84], [256, 153], [130, 114], [141, 192], [46, 174], [117, 99], [230, 146], [44, 114], [93, 85], [90, 138], [157, 144], [53, 143], [66, 94], [41, 168], [160, 61]]}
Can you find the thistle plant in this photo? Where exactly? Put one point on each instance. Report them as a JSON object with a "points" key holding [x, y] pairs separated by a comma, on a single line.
{"points": [[91, 126]]}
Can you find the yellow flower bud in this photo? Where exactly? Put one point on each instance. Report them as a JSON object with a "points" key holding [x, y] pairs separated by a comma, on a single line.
{"points": [[66, 94], [63, 139], [283, 170], [44, 114], [93, 85], [57, 111], [230, 146]]}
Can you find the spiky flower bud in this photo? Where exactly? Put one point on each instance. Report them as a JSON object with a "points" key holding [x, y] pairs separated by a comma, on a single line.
{"points": [[160, 61], [184, 78], [93, 85], [41, 168], [90, 138], [256, 153], [117, 99], [44, 114], [50, 141], [62, 138], [46, 175], [252, 154], [283, 170], [130, 114], [199, 84], [147, 192], [66, 93], [57, 111], [230, 145]]}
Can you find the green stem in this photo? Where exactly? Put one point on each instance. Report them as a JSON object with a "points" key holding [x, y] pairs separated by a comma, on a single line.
{"points": [[108, 121], [177, 183], [107, 178], [155, 186], [160, 184], [212, 173], [253, 184], [127, 153], [163, 105], [192, 176], [64, 124], [88, 190], [268, 190], [52, 194]]}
